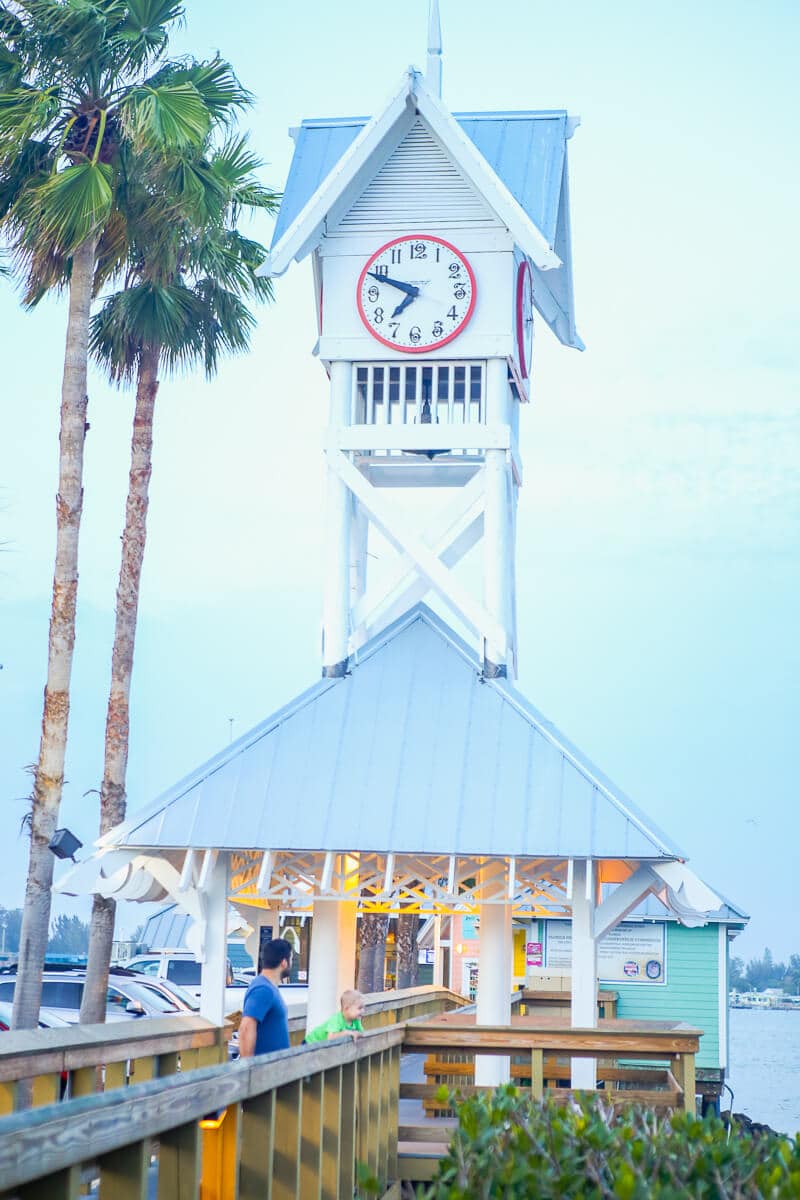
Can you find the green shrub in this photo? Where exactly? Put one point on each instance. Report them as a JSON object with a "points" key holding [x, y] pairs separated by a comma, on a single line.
{"points": [[509, 1147]]}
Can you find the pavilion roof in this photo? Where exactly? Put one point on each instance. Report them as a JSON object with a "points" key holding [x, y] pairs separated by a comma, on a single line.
{"points": [[412, 752]]}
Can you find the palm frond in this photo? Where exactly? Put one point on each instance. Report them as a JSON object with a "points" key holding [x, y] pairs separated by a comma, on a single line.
{"points": [[215, 81], [24, 112], [75, 202], [166, 116], [144, 28], [146, 315]]}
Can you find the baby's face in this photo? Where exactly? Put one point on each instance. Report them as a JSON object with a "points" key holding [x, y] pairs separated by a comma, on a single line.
{"points": [[353, 1011]]}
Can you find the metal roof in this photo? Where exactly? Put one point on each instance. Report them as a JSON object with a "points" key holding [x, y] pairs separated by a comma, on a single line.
{"points": [[652, 909], [413, 752], [524, 149]]}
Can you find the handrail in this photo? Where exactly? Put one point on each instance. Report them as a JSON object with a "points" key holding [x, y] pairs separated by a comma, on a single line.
{"points": [[576, 1042], [94, 1126], [24, 1052]]}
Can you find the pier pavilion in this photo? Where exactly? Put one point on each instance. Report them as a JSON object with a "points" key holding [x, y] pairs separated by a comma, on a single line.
{"points": [[414, 776]]}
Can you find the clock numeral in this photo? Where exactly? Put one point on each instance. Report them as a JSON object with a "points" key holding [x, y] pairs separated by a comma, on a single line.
{"points": [[397, 254], [451, 312], [459, 292], [415, 334], [394, 326], [372, 294], [438, 251], [377, 316], [380, 270], [419, 250], [438, 329], [455, 268]]}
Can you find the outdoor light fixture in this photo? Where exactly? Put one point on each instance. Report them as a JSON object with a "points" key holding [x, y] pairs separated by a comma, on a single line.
{"points": [[64, 844]]}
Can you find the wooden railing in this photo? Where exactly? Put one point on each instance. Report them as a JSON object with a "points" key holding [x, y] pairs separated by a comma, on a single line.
{"points": [[546, 1051], [290, 1125], [295, 1125], [88, 1058], [389, 1008]]}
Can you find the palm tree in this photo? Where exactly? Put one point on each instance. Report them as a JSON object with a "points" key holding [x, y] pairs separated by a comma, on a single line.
{"points": [[186, 283], [78, 81]]}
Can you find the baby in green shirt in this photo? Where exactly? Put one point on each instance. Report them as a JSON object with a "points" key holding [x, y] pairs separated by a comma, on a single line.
{"points": [[347, 1020]]}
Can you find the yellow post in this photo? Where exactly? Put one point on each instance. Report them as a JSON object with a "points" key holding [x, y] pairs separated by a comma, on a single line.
{"points": [[220, 1155]]}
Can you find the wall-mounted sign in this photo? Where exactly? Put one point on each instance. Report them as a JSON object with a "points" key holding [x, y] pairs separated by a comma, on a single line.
{"points": [[533, 954], [470, 926], [631, 953]]}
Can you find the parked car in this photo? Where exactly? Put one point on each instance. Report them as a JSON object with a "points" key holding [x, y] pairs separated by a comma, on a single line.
{"points": [[47, 1018], [62, 991], [185, 1001], [181, 967]]}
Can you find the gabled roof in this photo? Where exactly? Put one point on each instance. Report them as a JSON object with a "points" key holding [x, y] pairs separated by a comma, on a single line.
{"points": [[413, 752], [653, 909], [516, 160]]}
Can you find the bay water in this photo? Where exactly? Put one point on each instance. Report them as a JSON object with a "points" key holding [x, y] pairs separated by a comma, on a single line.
{"points": [[764, 1069]]}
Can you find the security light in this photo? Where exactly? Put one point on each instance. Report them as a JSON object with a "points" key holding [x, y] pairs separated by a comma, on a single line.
{"points": [[64, 844]]}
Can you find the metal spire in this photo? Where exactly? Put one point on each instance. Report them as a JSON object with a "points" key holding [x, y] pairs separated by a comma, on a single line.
{"points": [[433, 73]]}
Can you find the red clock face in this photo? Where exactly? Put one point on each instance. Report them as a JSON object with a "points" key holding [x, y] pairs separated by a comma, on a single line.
{"points": [[524, 318], [416, 293]]}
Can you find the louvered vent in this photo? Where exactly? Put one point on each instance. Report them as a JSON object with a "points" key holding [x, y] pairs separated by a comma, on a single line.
{"points": [[418, 188]]}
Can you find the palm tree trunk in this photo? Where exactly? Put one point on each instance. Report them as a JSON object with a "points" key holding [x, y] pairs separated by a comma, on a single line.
{"points": [[407, 958], [112, 790], [372, 952], [49, 774]]}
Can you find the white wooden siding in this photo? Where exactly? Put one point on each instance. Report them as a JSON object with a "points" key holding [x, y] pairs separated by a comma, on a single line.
{"points": [[419, 187]]}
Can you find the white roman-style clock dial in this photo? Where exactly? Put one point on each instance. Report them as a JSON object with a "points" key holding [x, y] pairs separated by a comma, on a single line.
{"points": [[416, 293]]}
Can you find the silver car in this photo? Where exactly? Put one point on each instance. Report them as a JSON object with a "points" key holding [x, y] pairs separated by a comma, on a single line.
{"points": [[62, 992]]}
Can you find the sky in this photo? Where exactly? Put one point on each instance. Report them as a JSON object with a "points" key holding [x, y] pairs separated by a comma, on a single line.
{"points": [[658, 534]]}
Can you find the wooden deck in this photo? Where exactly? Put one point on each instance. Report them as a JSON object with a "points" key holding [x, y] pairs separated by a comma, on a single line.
{"points": [[292, 1125]]}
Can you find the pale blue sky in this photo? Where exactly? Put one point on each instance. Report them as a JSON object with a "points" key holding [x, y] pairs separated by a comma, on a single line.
{"points": [[658, 534]]}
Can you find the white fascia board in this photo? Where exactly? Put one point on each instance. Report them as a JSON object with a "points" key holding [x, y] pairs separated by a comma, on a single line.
{"points": [[469, 159], [301, 234], [437, 436]]}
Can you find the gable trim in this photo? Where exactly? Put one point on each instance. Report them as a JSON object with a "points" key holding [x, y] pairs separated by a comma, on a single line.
{"points": [[370, 150]]}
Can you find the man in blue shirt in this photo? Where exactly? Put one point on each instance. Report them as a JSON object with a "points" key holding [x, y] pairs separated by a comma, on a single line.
{"points": [[265, 1023]]}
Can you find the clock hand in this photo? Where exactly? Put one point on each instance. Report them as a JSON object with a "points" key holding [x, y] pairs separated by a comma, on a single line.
{"points": [[404, 305], [397, 283]]}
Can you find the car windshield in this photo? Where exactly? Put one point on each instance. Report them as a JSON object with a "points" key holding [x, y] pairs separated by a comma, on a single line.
{"points": [[174, 989], [149, 999]]}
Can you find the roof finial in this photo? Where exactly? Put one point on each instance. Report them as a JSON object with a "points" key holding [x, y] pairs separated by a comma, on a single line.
{"points": [[433, 73]]}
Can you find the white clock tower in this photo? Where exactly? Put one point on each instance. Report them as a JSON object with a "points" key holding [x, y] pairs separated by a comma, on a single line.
{"points": [[435, 237]]}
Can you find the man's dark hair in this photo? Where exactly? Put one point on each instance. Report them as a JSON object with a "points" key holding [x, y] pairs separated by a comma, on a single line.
{"points": [[274, 952]]}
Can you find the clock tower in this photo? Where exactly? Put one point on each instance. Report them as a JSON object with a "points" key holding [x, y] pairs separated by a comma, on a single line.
{"points": [[438, 242]]}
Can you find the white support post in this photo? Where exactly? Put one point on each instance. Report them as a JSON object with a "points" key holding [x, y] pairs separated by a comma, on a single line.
{"points": [[493, 1006], [332, 961], [359, 532], [497, 526], [584, 966], [215, 945], [438, 959], [336, 600]]}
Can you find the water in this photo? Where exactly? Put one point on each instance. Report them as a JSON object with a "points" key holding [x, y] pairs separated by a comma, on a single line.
{"points": [[765, 1067]]}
